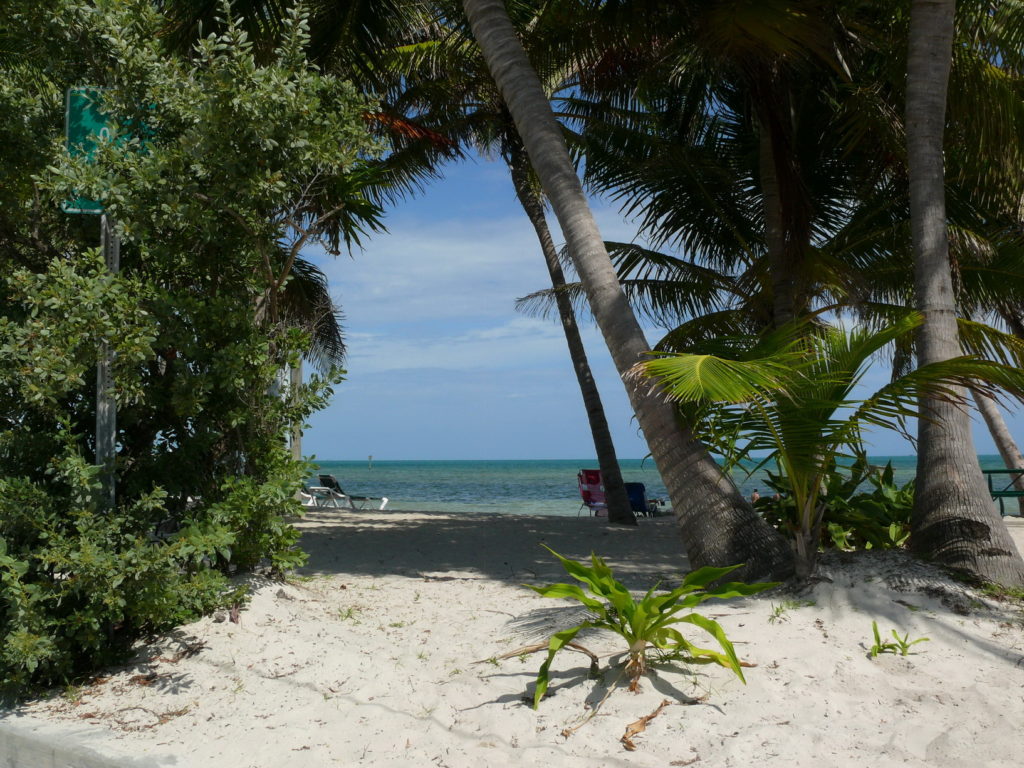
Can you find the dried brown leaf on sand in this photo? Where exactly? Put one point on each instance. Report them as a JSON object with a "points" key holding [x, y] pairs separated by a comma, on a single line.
{"points": [[187, 652], [640, 726], [594, 661]]}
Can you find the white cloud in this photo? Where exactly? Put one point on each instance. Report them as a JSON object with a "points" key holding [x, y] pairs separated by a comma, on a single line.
{"points": [[445, 269], [439, 271], [440, 294], [521, 342], [440, 364]]}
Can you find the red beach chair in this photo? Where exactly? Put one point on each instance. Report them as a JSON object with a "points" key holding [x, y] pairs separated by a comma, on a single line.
{"points": [[591, 491]]}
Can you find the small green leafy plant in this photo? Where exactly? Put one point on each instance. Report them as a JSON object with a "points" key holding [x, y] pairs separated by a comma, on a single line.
{"points": [[852, 517], [901, 646], [779, 611], [645, 623]]}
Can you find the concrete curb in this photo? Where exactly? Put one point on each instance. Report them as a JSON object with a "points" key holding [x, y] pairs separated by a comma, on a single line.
{"points": [[26, 742]]}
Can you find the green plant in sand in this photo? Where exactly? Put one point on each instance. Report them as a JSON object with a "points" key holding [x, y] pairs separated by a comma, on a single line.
{"points": [[901, 645], [779, 611], [646, 623], [791, 394]]}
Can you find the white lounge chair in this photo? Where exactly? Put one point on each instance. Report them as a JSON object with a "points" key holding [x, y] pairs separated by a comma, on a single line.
{"points": [[330, 495]]}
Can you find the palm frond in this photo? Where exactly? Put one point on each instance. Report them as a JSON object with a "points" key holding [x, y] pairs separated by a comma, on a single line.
{"points": [[706, 378], [306, 303], [984, 341]]}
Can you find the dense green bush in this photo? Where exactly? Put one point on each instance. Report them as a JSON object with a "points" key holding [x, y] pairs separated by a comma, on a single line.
{"points": [[239, 155], [853, 517]]}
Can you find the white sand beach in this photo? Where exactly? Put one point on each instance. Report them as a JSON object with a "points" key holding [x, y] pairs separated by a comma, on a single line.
{"points": [[376, 654]]}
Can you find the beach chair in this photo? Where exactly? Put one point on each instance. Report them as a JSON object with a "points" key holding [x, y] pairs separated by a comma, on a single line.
{"points": [[330, 494], [637, 493], [319, 497], [591, 491]]}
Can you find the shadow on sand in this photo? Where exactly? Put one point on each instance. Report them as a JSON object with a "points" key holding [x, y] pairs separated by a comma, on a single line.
{"points": [[502, 547]]}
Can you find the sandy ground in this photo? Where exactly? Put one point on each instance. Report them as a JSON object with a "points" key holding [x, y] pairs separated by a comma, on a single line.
{"points": [[382, 652]]}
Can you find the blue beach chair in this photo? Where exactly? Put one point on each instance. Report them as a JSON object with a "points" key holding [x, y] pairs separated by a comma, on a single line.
{"points": [[637, 493]]}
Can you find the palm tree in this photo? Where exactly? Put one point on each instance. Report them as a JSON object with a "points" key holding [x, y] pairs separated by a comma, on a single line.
{"points": [[725, 530], [619, 509], [790, 393], [685, 191], [445, 86], [717, 525], [784, 235], [954, 521], [693, 90]]}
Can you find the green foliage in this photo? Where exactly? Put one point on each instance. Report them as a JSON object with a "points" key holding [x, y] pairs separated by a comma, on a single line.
{"points": [[79, 583], [779, 611], [241, 163], [901, 645], [876, 519], [1000, 592], [852, 518], [809, 417], [651, 621]]}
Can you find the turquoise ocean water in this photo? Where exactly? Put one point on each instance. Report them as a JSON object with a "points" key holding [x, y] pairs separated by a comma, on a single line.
{"points": [[519, 487]]}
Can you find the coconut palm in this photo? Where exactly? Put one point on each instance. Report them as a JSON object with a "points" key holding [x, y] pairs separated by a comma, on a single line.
{"points": [[690, 192], [725, 530], [870, 277], [722, 528], [779, 169], [436, 97], [680, 98], [789, 393], [953, 521], [619, 509], [445, 86]]}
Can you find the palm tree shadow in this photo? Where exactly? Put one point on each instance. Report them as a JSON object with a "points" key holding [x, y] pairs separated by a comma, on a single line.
{"points": [[502, 547]]}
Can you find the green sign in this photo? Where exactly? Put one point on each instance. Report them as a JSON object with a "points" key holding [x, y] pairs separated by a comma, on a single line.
{"points": [[85, 125]]}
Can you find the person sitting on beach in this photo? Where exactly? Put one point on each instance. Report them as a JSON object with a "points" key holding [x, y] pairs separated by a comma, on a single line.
{"points": [[754, 497]]}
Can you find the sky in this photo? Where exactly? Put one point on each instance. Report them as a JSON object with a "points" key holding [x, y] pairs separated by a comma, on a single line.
{"points": [[441, 366]]}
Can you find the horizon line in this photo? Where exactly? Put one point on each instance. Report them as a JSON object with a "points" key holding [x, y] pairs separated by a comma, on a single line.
{"points": [[375, 459]]}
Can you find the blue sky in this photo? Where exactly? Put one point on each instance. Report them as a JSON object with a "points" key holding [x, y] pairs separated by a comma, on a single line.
{"points": [[441, 366]]}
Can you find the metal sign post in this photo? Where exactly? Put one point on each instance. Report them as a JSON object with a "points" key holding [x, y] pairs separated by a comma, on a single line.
{"points": [[106, 405], [85, 124], [295, 436]]}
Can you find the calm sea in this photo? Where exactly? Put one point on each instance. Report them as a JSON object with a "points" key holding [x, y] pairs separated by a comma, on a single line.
{"points": [[520, 487]]}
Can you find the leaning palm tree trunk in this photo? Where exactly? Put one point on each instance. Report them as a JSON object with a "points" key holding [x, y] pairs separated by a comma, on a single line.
{"points": [[1001, 436], [717, 525], [783, 274], [954, 521], [619, 509]]}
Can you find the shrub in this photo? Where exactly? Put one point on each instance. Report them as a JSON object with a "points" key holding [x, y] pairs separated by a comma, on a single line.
{"points": [[852, 518], [240, 152], [650, 622]]}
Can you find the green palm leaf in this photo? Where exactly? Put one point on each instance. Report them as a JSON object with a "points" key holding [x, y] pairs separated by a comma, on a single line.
{"points": [[689, 377]]}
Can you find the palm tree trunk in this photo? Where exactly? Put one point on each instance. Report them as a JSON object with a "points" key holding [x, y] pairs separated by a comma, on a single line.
{"points": [[716, 523], [1001, 436], [954, 521], [295, 434], [783, 272], [619, 509]]}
